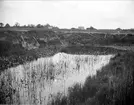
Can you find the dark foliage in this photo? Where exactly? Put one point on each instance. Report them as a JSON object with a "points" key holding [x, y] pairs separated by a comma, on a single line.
{"points": [[73, 49], [5, 46]]}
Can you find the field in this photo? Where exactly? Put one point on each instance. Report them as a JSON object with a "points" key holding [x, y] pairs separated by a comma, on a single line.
{"points": [[113, 85]]}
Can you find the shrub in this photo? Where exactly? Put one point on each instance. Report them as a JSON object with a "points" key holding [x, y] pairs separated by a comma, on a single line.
{"points": [[5, 47]]}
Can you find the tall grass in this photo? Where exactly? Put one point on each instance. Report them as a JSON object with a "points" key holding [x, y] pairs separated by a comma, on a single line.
{"points": [[113, 85], [38, 81]]}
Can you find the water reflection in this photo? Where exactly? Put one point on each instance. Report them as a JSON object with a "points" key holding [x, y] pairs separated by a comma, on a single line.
{"points": [[37, 82]]}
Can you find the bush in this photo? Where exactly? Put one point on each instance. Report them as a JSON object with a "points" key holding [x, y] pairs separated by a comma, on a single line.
{"points": [[5, 47]]}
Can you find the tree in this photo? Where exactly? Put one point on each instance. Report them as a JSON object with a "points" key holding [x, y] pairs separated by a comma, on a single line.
{"points": [[31, 25], [39, 26], [118, 29], [7, 25], [91, 29], [24, 26], [73, 28], [17, 24], [1, 24], [47, 25]]}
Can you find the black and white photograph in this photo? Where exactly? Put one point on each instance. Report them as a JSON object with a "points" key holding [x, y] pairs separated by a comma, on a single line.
{"points": [[66, 52]]}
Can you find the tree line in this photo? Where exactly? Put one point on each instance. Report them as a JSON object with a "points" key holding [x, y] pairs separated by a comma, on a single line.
{"points": [[17, 25]]}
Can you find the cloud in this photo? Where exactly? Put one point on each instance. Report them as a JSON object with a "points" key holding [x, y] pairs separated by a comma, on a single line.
{"points": [[101, 14]]}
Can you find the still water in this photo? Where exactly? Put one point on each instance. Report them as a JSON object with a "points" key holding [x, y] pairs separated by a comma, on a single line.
{"points": [[39, 81]]}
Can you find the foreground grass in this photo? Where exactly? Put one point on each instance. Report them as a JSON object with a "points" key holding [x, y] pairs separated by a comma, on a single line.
{"points": [[113, 85]]}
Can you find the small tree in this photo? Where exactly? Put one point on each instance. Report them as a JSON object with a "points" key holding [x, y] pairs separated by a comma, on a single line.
{"points": [[32, 25], [17, 24], [47, 25], [1, 24], [39, 26], [7, 25]]}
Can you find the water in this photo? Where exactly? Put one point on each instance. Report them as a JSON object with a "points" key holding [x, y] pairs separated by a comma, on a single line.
{"points": [[39, 81]]}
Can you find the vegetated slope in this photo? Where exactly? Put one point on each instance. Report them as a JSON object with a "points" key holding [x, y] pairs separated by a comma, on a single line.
{"points": [[98, 43], [113, 85], [100, 38], [88, 49], [17, 47], [28, 39]]}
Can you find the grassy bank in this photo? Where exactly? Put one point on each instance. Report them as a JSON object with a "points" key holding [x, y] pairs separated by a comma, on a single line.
{"points": [[113, 85], [17, 55], [90, 50], [13, 53], [11, 56]]}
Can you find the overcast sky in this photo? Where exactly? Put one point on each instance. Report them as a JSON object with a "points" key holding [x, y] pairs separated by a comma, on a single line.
{"points": [[67, 13]]}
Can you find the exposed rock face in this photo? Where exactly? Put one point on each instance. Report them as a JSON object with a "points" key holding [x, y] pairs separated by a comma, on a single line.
{"points": [[38, 81]]}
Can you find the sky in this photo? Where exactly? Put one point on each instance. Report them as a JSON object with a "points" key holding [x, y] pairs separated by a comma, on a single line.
{"points": [[100, 14]]}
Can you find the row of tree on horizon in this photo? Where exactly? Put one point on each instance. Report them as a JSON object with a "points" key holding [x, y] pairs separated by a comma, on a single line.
{"points": [[7, 25], [17, 25]]}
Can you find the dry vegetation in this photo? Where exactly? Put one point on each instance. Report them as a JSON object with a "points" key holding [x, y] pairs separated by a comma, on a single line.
{"points": [[113, 85]]}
